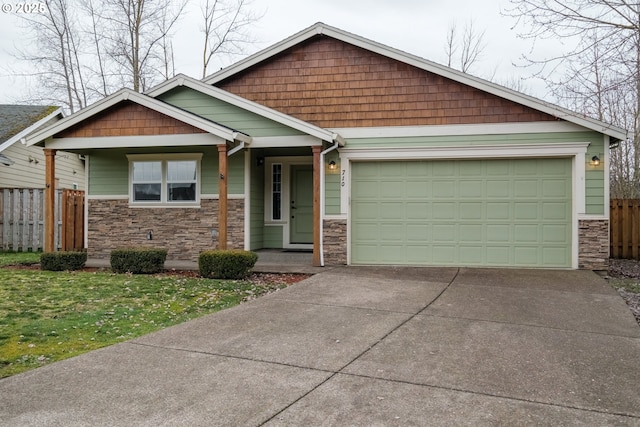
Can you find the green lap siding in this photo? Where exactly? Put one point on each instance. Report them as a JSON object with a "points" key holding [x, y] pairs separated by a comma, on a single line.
{"points": [[471, 212], [109, 170]]}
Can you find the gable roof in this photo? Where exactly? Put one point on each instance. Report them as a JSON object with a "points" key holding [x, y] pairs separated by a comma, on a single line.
{"points": [[441, 70], [18, 121], [146, 101], [222, 95]]}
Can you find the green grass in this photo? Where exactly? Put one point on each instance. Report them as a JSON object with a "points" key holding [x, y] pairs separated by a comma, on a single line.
{"points": [[49, 316], [24, 258]]}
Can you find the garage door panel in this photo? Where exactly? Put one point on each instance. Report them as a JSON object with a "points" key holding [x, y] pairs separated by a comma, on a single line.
{"points": [[527, 189], [418, 210], [391, 211], [471, 210], [444, 189], [555, 211], [482, 212], [498, 233], [442, 255], [555, 233], [498, 255], [525, 211], [498, 211], [444, 210], [527, 233], [471, 189], [498, 189], [366, 210], [555, 188], [471, 255], [444, 233], [471, 233]]}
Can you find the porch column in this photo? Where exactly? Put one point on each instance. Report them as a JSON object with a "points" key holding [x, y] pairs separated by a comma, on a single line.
{"points": [[316, 205], [222, 200], [49, 200]]}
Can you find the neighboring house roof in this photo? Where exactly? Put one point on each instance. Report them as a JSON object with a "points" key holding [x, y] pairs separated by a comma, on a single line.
{"points": [[467, 79], [146, 101], [18, 121], [292, 122]]}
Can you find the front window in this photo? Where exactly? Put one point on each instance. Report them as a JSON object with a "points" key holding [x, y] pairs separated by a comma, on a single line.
{"points": [[147, 181], [164, 179]]}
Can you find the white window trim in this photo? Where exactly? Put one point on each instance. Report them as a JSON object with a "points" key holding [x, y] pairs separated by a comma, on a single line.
{"points": [[164, 158]]}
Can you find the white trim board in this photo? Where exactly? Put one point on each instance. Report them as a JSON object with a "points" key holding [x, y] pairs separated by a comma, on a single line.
{"points": [[576, 151], [177, 140], [459, 130]]}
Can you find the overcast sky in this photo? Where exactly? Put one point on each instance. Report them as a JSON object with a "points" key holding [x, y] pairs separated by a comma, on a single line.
{"points": [[415, 26]]}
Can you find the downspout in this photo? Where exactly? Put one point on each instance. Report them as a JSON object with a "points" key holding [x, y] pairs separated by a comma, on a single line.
{"points": [[322, 198]]}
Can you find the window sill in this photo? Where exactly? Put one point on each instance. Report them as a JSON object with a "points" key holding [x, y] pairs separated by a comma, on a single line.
{"points": [[165, 205]]}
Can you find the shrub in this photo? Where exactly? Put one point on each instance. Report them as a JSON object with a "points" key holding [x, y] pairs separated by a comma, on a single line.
{"points": [[226, 264], [63, 261], [138, 260]]}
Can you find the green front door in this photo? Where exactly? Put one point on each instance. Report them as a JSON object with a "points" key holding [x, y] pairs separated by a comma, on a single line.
{"points": [[301, 228], [512, 212]]}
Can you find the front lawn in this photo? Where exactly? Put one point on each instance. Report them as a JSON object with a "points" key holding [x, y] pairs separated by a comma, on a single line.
{"points": [[49, 316]]}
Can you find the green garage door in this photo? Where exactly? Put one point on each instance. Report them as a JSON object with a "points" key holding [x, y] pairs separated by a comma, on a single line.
{"points": [[503, 212]]}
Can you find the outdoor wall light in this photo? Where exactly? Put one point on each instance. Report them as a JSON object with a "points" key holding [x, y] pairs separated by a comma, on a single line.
{"points": [[260, 161], [595, 161], [332, 165], [149, 235]]}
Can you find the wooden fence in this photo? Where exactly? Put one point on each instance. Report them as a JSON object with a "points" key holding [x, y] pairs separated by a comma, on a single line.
{"points": [[625, 228], [22, 219]]}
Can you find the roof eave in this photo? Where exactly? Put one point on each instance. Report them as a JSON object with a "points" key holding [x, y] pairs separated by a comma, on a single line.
{"points": [[124, 95], [23, 134]]}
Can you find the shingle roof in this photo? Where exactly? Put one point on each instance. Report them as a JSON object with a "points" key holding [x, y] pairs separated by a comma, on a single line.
{"points": [[15, 118]]}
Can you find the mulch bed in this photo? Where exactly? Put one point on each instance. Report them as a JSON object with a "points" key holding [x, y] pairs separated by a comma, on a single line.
{"points": [[257, 278]]}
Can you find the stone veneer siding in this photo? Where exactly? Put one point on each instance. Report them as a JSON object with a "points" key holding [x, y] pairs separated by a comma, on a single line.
{"points": [[184, 232], [593, 243], [335, 241]]}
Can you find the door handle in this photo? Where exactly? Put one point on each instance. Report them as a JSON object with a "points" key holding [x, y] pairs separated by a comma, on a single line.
{"points": [[293, 207]]}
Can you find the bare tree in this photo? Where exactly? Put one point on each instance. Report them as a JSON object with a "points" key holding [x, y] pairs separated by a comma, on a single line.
{"points": [[599, 74], [56, 61], [226, 24], [134, 32], [470, 45]]}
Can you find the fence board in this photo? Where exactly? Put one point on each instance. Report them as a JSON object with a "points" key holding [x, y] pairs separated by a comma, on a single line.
{"points": [[625, 228], [22, 226]]}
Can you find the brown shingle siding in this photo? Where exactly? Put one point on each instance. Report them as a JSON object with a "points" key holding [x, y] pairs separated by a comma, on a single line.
{"points": [[334, 84], [129, 119]]}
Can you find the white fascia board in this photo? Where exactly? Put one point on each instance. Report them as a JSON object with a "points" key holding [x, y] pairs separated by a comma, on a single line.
{"points": [[466, 152], [245, 104], [25, 132], [151, 103], [423, 64], [285, 141], [459, 130], [179, 140]]}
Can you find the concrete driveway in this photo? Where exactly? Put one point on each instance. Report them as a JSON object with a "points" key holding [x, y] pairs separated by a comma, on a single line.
{"points": [[365, 346]]}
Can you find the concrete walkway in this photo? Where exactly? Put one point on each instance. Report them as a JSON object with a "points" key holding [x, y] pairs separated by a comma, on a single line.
{"points": [[365, 346]]}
